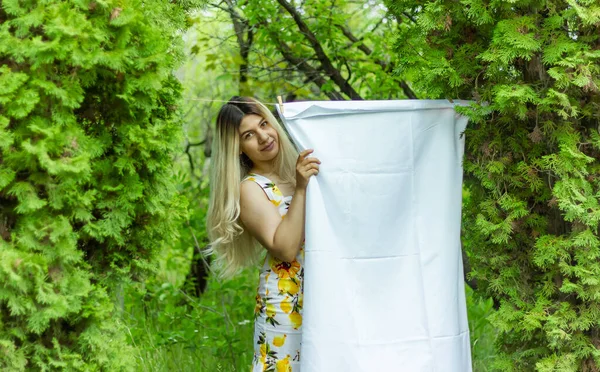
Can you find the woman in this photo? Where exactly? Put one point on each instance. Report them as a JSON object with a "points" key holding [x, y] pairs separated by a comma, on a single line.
{"points": [[256, 171]]}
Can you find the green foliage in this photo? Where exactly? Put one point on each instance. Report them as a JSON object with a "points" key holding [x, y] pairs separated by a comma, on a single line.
{"points": [[532, 162], [88, 128], [284, 60], [174, 331], [483, 334], [170, 329]]}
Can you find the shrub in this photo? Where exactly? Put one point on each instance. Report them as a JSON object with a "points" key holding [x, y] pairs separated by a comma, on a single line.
{"points": [[532, 162], [88, 127]]}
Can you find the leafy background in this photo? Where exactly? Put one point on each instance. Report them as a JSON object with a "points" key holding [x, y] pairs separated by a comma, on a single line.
{"points": [[213, 332], [106, 117]]}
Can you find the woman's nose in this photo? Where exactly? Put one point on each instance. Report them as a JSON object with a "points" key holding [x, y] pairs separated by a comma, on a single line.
{"points": [[263, 135]]}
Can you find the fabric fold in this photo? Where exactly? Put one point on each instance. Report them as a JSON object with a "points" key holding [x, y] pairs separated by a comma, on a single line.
{"points": [[383, 284]]}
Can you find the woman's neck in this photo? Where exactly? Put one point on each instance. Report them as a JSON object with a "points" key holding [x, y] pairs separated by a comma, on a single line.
{"points": [[266, 169]]}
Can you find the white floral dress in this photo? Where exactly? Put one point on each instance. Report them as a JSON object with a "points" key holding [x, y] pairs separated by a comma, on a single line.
{"points": [[278, 311]]}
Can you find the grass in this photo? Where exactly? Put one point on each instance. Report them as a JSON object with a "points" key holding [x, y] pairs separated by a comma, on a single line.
{"points": [[173, 332], [483, 334]]}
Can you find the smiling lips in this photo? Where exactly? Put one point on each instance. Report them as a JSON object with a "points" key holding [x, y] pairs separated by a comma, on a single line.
{"points": [[269, 147]]}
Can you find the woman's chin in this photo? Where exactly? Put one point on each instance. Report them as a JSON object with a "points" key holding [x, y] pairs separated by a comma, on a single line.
{"points": [[271, 157], [272, 154]]}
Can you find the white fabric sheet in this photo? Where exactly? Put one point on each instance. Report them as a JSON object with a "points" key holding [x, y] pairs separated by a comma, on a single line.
{"points": [[383, 270]]}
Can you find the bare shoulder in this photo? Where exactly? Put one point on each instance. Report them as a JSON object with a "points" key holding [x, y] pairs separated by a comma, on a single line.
{"points": [[250, 190], [257, 213], [253, 198]]}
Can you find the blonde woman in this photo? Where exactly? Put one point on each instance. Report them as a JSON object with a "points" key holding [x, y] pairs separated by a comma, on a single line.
{"points": [[258, 179]]}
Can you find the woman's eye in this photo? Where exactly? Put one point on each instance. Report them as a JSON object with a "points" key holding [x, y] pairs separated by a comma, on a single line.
{"points": [[263, 124]]}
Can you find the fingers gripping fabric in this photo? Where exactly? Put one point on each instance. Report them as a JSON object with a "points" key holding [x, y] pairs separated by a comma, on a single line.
{"points": [[383, 269]]}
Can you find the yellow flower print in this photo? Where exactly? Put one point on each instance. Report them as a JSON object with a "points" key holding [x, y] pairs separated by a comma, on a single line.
{"points": [[276, 190], [284, 365], [275, 203], [288, 285], [251, 179], [259, 305], [279, 341], [271, 310], [296, 319], [286, 305], [284, 269], [263, 354]]}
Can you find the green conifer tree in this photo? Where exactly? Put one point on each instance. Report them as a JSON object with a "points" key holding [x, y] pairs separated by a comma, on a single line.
{"points": [[532, 162], [88, 126]]}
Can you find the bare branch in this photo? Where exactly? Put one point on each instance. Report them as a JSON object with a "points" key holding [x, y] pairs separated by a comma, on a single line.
{"points": [[365, 49], [242, 28], [230, 9], [310, 72], [377, 25], [189, 145], [327, 66], [409, 17], [387, 67]]}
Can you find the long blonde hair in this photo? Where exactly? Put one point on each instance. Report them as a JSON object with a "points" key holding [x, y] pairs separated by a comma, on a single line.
{"points": [[232, 245]]}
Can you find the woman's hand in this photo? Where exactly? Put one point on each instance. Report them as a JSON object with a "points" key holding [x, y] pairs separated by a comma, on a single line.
{"points": [[281, 237], [305, 168]]}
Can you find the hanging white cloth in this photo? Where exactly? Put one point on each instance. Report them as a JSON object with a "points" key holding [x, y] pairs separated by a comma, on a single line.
{"points": [[383, 271]]}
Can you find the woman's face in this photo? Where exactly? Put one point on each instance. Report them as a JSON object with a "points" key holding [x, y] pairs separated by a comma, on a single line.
{"points": [[258, 139]]}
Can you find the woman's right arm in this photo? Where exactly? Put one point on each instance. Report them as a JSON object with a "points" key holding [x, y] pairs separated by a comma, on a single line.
{"points": [[282, 237]]}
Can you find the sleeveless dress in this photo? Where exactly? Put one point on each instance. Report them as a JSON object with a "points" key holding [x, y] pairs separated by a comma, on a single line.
{"points": [[278, 311]]}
